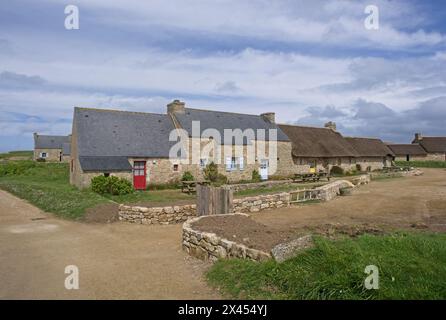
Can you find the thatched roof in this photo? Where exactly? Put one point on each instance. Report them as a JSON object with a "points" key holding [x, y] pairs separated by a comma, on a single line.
{"points": [[433, 144], [317, 142], [369, 147], [407, 149]]}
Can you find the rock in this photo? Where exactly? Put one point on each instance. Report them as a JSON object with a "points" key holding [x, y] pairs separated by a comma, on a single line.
{"points": [[287, 250]]}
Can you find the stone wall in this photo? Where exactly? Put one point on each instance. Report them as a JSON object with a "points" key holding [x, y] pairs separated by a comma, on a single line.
{"points": [[156, 215], [208, 246], [262, 202], [333, 189], [265, 184]]}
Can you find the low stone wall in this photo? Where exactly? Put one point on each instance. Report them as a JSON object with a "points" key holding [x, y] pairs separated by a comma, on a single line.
{"points": [[157, 215], [208, 246], [257, 185], [262, 202], [331, 190], [361, 180]]}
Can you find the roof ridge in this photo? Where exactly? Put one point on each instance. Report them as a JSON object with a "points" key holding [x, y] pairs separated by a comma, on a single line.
{"points": [[302, 126], [229, 112], [123, 111]]}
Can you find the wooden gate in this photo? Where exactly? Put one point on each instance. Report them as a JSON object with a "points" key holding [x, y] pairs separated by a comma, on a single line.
{"points": [[304, 195], [213, 200]]}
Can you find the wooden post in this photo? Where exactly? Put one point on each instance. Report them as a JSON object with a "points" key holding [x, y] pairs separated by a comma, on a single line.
{"points": [[213, 200]]}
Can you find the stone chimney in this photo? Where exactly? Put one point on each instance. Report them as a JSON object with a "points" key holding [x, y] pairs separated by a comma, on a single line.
{"points": [[418, 137], [269, 116], [176, 106], [330, 125]]}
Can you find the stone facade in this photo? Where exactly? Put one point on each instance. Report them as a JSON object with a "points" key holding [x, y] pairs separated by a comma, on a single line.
{"points": [[52, 155], [210, 247], [156, 215], [256, 185], [304, 165], [436, 157], [411, 158]]}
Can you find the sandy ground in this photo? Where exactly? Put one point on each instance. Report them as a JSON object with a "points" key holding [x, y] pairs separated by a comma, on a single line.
{"points": [[115, 260], [400, 203]]}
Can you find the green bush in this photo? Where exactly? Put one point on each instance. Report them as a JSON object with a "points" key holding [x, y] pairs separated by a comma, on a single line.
{"points": [[111, 185], [10, 168], [221, 179], [41, 160], [164, 186], [187, 176], [421, 164], [211, 172], [336, 170], [256, 176]]}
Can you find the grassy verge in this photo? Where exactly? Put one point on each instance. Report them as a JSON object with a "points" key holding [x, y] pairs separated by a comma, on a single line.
{"points": [[411, 266], [14, 154], [276, 189], [46, 185], [385, 176], [422, 164]]}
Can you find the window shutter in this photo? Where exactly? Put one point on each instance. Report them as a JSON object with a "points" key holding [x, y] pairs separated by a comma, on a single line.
{"points": [[241, 164], [228, 164]]}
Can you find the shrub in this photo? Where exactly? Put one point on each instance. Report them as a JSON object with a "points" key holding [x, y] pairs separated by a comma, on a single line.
{"points": [[256, 176], [211, 172], [336, 170], [111, 185], [164, 186], [187, 176], [10, 168], [221, 179], [100, 184], [41, 160]]}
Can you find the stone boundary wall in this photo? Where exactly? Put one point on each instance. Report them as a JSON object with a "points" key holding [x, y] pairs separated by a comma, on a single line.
{"points": [[255, 185], [156, 215], [262, 202], [210, 247], [178, 214]]}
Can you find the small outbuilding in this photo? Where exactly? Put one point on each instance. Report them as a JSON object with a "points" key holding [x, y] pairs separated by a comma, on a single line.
{"points": [[408, 152], [52, 148]]}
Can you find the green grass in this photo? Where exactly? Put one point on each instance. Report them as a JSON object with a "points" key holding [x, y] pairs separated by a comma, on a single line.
{"points": [[421, 164], [386, 176], [46, 185], [25, 154], [152, 195], [411, 266], [276, 189]]}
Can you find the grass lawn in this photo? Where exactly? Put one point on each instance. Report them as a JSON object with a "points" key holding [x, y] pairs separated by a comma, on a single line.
{"points": [[411, 266], [14, 154], [46, 185], [422, 164], [277, 189]]}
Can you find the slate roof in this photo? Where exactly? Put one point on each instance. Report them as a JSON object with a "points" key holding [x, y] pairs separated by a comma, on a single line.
{"points": [[433, 144], [317, 142], [66, 148], [50, 142], [407, 149], [369, 147], [226, 120], [106, 137]]}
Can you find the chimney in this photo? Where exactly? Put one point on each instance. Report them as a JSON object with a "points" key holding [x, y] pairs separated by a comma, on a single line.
{"points": [[330, 125], [418, 137], [176, 106], [269, 116]]}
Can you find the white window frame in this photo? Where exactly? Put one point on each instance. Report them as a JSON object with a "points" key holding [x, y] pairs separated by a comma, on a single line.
{"points": [[241, 163], [41, 155]]}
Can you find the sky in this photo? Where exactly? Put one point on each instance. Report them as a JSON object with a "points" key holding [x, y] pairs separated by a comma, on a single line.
{"points": [[308, 61]]}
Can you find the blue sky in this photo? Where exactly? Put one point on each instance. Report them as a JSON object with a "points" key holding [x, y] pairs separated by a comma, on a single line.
{"points": [[308, 61]]}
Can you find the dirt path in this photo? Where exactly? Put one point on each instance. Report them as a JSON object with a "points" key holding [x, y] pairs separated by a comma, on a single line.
{"points": [[115, 261], [399, 203]]}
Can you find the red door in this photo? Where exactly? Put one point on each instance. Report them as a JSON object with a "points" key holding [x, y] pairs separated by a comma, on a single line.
{"points": [[139, 175]]}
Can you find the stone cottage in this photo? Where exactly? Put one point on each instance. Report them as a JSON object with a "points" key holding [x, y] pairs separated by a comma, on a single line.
{"points": [[435, 147], [52, 148], [408, 152], [137, 145], [319, 149], [373, 154]]}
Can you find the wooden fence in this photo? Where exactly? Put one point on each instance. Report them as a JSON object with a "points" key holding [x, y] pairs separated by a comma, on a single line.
{"points": [[304, 195], [213, 200]]}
